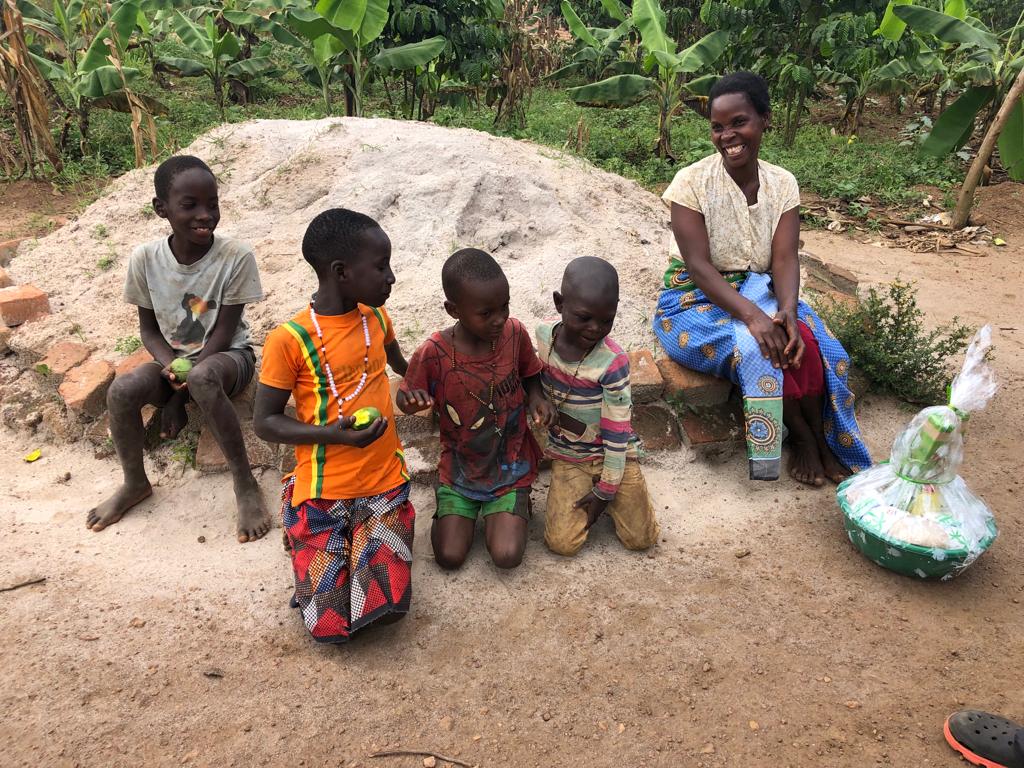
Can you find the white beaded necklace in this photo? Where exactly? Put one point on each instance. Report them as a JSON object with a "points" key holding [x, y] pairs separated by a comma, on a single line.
{"points": [[327, 366]]}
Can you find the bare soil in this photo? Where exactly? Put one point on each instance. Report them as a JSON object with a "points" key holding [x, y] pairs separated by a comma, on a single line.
{"points": [[753, 635]]}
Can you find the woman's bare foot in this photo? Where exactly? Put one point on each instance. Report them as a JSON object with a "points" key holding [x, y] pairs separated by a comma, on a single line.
{"points": [[174, 417], [253, 517], [833, 468], [113, 509], [805, 463]]}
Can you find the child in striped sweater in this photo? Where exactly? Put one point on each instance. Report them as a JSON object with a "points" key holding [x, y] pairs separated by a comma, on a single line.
{"points": [[593, 448]]}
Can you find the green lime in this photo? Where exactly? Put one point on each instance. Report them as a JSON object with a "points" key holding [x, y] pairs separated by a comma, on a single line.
{"points": [[364, 417], [180, 368]]}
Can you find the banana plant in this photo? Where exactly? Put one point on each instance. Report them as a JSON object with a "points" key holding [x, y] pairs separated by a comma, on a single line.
{"points": [[81, 53], [334, 37], [598, 51], [665, 73], [416, 58], [216, 55], [990, 65]]}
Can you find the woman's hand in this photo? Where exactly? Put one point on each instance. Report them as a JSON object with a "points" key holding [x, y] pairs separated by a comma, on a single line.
{"points": [[771, 337], [794, 351]]}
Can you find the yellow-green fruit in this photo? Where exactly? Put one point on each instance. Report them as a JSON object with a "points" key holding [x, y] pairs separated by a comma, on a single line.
{"points": [[364, 417], [180, 368]]}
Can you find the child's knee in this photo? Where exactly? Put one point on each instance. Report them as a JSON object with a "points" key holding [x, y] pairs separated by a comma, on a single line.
{"points": [[204, 381], [127, 393], [450, 555], [639, 540], [507, 555]]}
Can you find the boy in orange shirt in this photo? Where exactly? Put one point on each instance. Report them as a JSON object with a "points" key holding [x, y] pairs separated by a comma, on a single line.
{"points": [[346, 508]]}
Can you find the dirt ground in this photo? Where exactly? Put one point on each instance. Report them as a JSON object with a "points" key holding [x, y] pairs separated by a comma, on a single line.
{"points": [[161, 641]]}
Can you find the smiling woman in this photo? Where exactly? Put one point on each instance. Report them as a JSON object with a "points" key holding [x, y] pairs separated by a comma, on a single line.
{"points": [[731, 306]]}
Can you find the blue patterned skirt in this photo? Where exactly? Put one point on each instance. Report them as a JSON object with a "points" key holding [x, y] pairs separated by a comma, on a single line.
{"points": [[700, 335]]}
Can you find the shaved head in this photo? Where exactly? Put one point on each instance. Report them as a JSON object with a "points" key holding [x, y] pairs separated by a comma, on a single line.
{"points": [[591, 279]]}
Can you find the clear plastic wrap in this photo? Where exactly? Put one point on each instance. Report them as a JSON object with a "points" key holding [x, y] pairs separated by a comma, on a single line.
{"points": [[917, 498]]}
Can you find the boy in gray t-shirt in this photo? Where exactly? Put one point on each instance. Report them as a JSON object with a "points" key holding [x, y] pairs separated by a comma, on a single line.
{"points": [[190, 289]]}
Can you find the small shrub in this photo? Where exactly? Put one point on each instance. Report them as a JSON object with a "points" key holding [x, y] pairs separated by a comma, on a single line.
{"points": [[184, 448], [886, 339], [106, 262], [100, 232], [126, 345]]}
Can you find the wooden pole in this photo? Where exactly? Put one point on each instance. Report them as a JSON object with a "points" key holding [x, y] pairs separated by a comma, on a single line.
{"points": [[966, 199]]}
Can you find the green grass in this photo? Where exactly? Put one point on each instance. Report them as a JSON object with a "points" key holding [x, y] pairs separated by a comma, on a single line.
{"points": [[126, 345]]}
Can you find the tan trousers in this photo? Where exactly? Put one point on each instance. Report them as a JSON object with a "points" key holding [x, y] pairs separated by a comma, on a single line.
{"points": [[565, 526]]}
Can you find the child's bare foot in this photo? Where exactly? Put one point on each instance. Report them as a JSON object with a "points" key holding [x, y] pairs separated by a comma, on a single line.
{"points": [[805, 463], [253, 516], [833, 468], [174, 417], [113, 509]]}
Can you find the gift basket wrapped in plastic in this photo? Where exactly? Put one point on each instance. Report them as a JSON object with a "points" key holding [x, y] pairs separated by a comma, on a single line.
{"points": [[914, 514]]}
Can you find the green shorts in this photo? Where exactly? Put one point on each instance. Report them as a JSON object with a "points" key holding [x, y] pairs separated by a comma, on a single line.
{"points": [[451, 502]]}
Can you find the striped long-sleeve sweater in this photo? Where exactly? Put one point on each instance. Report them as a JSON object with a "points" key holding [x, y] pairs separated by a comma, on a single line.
{"points": [[594, 408]]}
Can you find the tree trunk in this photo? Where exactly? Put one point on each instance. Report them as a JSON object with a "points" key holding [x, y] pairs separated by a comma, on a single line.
{"points": [[966, 199]]}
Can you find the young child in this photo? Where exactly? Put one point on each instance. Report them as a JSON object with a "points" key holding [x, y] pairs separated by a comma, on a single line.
{"points": [[190, 289], [346, 508], [482, 377], [592, 445]]}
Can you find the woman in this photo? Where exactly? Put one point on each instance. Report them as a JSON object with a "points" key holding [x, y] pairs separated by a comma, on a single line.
{"points": [[731, 307]]}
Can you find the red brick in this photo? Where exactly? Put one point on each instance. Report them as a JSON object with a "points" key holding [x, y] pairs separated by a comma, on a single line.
{"points": [[822, 276], [692, 388], [5, 279], [85, 388], [657, 427], [210, 458], [8, 248], [712, 429], [61, 358], [645, 379], [133, 361], [19, 304]]}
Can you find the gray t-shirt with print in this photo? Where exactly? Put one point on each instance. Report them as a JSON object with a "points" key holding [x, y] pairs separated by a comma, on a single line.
{"points": [[187, 299]]}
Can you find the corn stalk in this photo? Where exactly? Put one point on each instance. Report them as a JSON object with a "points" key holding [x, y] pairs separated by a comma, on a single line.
{"points": [[24, 87]]}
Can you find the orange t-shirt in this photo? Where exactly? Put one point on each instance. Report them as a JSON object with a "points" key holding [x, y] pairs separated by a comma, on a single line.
{"points": [[292, 361]]}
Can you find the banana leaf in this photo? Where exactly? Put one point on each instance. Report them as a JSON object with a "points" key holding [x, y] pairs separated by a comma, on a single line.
{"points": [[701, 86], [102, 81], [121, 25], [617, 91], [650, 20], [412, 55], [184, 67], [250, 67], [1011, 142], [242, 18], [892, 26], [948, 29], [614, 9], [957, 8], [194, 38], [577, 27], [704, 52], [118, 102], [955, 126]]}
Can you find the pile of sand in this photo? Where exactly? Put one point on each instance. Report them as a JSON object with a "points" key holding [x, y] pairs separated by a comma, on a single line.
{"points": [[432, 189]]}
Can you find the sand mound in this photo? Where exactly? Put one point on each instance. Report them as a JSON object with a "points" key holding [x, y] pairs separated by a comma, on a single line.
{"points": [[433, 190]]}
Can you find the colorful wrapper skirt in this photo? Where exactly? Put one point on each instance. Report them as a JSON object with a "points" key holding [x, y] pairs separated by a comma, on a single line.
{"points": [[352, 559], [700, 335]]}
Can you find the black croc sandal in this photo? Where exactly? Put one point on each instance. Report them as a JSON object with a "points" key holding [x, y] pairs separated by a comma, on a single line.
{"points": [[986, 740]]}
